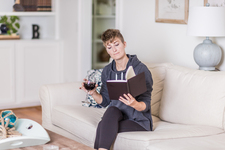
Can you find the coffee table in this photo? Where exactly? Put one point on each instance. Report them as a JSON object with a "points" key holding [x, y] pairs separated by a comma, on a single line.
{"points": [[60, 141]]}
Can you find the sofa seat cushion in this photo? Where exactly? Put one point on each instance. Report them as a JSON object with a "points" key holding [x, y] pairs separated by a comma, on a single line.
{"points": [[163, 131], [82, 122], [214, 142], [78, 120]]}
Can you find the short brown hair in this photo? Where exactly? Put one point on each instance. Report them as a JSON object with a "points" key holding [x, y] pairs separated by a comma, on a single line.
{"points": [[110, 35]]}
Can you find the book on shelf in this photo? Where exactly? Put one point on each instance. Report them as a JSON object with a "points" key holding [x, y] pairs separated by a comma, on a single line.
{"points": [[33, 5], [29, 5], [134, 84], [44, 5]]}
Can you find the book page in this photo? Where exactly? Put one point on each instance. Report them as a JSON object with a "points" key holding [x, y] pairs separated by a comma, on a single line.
{"points": [[130, 73]]}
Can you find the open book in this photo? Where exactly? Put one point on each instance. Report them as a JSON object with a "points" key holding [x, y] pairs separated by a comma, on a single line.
{"points": [[134, 84]]}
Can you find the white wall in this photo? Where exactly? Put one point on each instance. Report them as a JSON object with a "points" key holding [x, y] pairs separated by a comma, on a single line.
{"points": [[158, 42], [84, 38], [6, 6], [75, 17], [68, 32]]}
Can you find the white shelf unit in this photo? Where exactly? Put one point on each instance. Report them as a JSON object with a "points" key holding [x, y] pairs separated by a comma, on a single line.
{"points": [[28, 14], [45, 20], [29, 63], [103, 18], [26, 65]]}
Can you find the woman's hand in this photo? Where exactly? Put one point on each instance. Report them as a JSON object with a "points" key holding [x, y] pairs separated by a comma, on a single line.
{"points": [[89, 92], [132, 102], [97, 97]]}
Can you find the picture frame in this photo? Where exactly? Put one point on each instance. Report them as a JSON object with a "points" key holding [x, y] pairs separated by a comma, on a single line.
{"points": [[171, 11], [215, 3]]}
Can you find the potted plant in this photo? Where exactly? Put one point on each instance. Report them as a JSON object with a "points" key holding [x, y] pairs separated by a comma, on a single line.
{"points": [[9, 25]]}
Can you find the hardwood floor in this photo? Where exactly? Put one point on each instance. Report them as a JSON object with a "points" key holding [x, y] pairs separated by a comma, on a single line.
{"points": [[33, 113]]}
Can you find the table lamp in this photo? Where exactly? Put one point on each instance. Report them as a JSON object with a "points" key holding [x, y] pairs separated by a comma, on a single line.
{"points": [[207, 22]]}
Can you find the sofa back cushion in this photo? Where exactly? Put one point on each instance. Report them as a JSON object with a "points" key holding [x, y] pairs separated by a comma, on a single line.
{"points": [[193, 97], [93, 73], [158, 72]]}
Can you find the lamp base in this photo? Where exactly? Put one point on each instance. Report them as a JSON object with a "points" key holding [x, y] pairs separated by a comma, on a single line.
{"points": [[207, 68], [207, 55]]}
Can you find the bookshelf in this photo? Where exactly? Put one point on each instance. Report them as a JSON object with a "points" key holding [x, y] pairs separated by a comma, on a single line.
{"points": [[103, 18], [28, 14], [46, 20], [29, 63]]}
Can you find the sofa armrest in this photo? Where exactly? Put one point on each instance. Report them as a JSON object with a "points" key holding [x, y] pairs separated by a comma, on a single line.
{"points": [[59, 94], [62, 93]]}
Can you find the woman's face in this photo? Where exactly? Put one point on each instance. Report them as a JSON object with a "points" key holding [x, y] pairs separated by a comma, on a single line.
{"points": [[116, 49]]}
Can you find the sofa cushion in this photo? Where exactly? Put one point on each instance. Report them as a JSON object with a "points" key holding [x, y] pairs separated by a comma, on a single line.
{"points": [[162, 132], [93, 73], [214, 142], [158, 72], [82, 122], [78, 120], [193, 97]]}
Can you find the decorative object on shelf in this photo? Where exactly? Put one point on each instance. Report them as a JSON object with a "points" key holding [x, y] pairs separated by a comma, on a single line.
{"points": [[99, 36], [103, 55], [17, 6], [44, 5], [7, 124], [11, 23], [4, 29], [217, 3], [207, 22], [172, 11], [28, 5], [104, 7], [35, 31]]}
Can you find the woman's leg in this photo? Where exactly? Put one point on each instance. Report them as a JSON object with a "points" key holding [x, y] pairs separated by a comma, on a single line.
{"points": [[129, 125], [108, 128], [97, 136], [111, 124]]}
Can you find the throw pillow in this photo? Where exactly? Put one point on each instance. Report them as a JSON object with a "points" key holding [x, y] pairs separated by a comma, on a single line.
{"points": [[90, 102]]}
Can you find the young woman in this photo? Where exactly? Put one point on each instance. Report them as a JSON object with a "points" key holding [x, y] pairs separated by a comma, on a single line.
{"points": [[128, 113]]}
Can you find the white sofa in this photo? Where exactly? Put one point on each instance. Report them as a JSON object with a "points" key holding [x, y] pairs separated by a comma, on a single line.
{"points": [[187, 108]]}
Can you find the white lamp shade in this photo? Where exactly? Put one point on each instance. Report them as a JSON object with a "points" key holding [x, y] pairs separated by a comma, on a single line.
{"points": [[206, 21]]}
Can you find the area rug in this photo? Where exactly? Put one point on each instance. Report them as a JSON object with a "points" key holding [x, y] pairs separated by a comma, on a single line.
{"points": [[60, 141]]}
